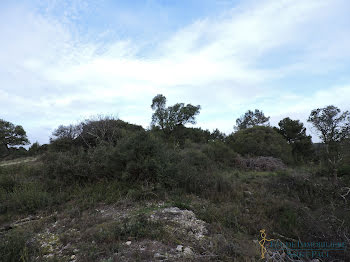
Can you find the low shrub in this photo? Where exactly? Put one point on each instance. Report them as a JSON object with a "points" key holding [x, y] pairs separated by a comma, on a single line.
{"points": [[27, 198], [220, 153], [260, 163], [78, 165], [142, 157], [137, 157], [196, 173], [17, 246], [344, 170], [7, 182]]}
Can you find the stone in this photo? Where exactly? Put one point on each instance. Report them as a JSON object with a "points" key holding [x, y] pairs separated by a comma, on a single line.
{"points": [[188, 252], [179, 248], [159, 256], [247, 193], [128, 243]]}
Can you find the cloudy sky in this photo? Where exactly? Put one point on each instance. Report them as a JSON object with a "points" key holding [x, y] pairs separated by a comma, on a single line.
{"points": [[64, 61]]}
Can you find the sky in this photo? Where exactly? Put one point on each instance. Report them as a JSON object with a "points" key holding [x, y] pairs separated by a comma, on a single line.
{"points": [[65, 61]]}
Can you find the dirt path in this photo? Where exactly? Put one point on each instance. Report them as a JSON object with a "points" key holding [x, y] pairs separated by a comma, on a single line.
{"points": [[17, 161]]}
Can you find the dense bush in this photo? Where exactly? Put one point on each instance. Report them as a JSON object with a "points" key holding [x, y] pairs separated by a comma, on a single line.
{"points": [[344, 170], [220, 153], [28, 198], [198, 174], [260, 141], [261, 163], [137, 157], [142, 157], [36, 149], [91, 133], [181, 135], [16, 246]]}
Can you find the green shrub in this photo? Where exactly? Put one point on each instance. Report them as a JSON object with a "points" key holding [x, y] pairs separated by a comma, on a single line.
{"points": [[27, 197], [79, 165], [7, 182], [196, 173], [17, 246], [344, 170], [261, 141], [142, 157], [137, 157], [220, 153]]}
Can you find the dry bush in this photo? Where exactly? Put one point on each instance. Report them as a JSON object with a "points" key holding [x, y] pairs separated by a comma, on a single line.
{"points": [[261, 163]]}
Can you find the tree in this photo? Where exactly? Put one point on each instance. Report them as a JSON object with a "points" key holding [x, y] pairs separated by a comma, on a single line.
{"points": [[260, 141], [251, 119], [217, 135], [91, 132], [63, 138], [160, 115], [34, 148], [173, 116], [295, 134], [332, 125], [333, 128], [12, 135]]}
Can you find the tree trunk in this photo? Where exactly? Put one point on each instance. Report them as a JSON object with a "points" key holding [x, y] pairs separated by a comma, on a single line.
{"points": [[335, 176]]}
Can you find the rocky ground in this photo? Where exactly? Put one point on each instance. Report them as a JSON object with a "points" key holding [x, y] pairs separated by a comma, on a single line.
{"points": [[145, 232]]}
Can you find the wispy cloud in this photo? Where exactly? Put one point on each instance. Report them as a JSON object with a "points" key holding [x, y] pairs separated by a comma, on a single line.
{"points": [[53, 73]]}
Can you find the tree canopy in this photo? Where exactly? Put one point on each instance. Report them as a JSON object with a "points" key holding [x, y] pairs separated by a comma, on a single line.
{"points": [[12, 135], [333, 127], [168, 118], [330, 123], [295, 134], [251, 119]]}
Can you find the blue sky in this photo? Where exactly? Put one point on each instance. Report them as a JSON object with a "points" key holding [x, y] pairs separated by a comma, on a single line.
{"points": [[64, 61]]}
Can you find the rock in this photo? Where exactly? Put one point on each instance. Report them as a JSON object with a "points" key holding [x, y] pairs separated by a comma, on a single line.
{"points": [[188, 252], [185, 222], [247, 193], [67, 246], [128, 243], [159, 256], [179, 248]]}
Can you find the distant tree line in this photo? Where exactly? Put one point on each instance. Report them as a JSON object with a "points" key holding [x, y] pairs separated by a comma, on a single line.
{"points": [[253, 137]]}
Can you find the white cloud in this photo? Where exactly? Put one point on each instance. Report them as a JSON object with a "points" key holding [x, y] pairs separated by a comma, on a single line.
{"points": [[52, 75]]}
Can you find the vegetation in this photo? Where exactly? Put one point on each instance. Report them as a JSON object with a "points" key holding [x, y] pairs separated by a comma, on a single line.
{"points": [[333, 128], [251, 119], [11, 135], [106, 190], [261, 141], [295, 134], [173, 116]]}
